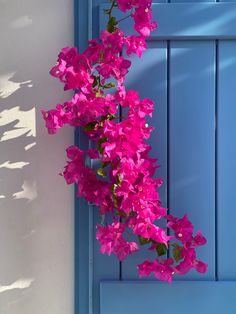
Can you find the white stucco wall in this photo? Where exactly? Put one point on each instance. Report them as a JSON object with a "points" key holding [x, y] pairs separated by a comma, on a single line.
{"points": [[36, 206]]}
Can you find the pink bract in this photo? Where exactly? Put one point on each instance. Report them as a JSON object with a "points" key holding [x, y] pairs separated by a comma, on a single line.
{"points": [[122, 184]]}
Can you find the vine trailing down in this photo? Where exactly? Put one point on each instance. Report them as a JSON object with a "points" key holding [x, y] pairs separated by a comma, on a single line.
{"points": [[123, 186]]}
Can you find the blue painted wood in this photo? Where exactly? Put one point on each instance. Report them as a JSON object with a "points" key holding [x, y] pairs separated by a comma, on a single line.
{"points": [[149, 77], [202, 297], [88, 260], [226, 160], [192, 140], [196, 20], [82, 301], [104, 267], [185, 119]]}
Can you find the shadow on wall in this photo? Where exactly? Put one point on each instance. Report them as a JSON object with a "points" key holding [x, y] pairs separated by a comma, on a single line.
{"points": [[32, 212], [17, 130], [17, 142]]}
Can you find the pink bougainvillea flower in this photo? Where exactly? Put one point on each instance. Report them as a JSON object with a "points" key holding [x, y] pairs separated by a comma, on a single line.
{"points": [[182, 227], [142, 20], [113, 42], [53, 120], [74, 70], [135, 44], [93, 153], [125, 5], [112, 241], [146, 268], [162, 269], [124, 186], [190, 261], [75, 165], [199, 239], [130, 98], [151, 231], [114, 66], [200, 266]]}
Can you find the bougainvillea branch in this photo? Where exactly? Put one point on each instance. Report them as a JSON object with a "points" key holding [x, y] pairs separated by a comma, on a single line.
{"points": [[123, 185]]}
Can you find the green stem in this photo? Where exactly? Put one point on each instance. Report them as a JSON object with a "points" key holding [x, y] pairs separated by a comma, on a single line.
{"points": [[111, 8], [124, 18]]}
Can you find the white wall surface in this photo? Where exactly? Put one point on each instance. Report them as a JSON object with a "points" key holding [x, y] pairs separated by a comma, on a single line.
{"points": [[36, 206]]}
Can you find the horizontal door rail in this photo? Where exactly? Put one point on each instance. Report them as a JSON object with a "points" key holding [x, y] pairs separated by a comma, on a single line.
{"points": [[180, 21], [179, 297]]}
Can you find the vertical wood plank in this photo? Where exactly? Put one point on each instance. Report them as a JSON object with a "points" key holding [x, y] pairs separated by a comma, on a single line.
{"points": [[90, 265], [191, 141], [149, 78], [104, 267], [226, 160], [82, 302]]}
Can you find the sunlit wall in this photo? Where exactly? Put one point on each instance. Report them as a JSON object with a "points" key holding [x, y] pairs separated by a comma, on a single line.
{"points": [[36, 206]]}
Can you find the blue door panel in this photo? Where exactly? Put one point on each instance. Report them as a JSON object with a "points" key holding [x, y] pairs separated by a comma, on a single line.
{"points": [[189, 71], [192, 140], [102, 266], [190, 297], [149, 77], [226, 152], [210, 20], [186, 75]]}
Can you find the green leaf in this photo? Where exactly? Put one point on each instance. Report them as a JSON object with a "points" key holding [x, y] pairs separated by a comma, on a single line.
{"points": [[143, 240], [90, 126], [95, 81], [119, 177], [121, 214], [111, 25], [101, 172], [113, 187], [105, 164], [101, 55], [177, 253], [109, 85], [111, 116], [161, 249], [98, 94], [108, 117], [100, 142], [114, 196]]}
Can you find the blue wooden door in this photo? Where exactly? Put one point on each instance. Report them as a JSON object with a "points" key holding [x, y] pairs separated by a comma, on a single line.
{"points": [[189, 70]]}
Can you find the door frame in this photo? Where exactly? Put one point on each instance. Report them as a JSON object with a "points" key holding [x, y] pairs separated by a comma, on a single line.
{"points": [[82, 210]]}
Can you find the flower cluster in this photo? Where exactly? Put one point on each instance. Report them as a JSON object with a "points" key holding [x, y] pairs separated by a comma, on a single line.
{"points": [[124, 185]]}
